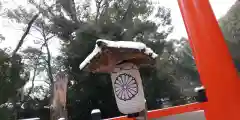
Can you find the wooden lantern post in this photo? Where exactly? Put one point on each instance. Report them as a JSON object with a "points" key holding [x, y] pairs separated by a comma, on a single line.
{"points": [[122, 60]]}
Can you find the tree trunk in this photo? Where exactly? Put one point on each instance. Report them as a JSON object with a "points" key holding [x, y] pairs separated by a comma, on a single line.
{"points": [[20, 43]]}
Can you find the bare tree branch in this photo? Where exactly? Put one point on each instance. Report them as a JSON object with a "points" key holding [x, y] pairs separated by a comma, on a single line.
{"points": [[129, 8], [98, 6], [35, 72], [74, 13], [50, 37], [50, 74], [20, 43], [44, 44], [33, 79]]}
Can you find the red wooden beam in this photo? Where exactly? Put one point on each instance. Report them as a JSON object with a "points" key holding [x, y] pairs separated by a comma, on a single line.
{"points": [[213, 60], [169, 111]]}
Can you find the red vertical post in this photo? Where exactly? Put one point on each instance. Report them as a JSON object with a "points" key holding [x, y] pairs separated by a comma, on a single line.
{"points": [[213, 60]]}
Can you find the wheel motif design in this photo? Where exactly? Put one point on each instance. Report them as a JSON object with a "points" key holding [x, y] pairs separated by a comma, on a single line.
{"points": [[125, 87]]}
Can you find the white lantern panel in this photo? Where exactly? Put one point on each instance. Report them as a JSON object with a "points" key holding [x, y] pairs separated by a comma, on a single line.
{"points": [[128, 89]]}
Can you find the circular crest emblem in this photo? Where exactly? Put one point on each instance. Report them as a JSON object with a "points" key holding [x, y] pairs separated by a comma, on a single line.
{"points": [[125, 87]]}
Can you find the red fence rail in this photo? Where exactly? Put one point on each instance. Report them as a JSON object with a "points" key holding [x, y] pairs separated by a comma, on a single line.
{"points": [[168, 111]]}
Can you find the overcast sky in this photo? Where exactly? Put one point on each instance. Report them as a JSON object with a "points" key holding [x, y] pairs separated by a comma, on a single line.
{"points": [[13, 32], [220, 7]]}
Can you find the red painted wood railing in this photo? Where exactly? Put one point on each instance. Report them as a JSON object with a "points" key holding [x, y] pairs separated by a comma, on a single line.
{"points": [[168, 111]]}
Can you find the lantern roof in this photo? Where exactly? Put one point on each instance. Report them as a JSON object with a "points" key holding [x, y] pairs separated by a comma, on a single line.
{"points": [[107, 54]]}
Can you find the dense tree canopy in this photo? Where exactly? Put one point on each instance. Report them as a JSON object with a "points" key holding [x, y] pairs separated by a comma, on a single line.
{"points": [[12, 78], [230, 27]]}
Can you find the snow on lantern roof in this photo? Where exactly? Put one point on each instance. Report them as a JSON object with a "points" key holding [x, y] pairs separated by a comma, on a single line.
{"points": [[102, 44]]}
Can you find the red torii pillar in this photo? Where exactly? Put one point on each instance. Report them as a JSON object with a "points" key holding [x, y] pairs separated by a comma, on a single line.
{"points": [[213, 60]]}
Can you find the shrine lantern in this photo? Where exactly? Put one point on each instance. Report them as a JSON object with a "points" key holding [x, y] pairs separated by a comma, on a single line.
{"points": [[122, 60]]}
